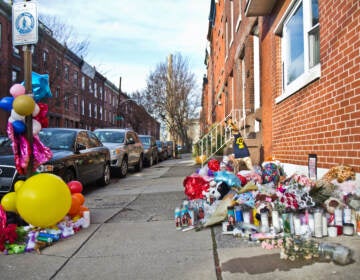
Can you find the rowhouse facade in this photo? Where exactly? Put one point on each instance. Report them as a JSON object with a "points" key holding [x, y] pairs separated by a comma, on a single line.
{"points": [[293, 68]]}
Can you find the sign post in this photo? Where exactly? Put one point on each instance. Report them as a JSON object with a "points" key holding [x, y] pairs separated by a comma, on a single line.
{"points": [[25, 33]]}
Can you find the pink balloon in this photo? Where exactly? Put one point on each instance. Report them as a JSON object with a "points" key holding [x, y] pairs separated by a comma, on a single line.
{"points": [[17, 89]]}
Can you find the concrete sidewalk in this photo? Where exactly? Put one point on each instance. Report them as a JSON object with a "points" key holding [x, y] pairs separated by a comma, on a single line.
{"points": [[132, 236]]}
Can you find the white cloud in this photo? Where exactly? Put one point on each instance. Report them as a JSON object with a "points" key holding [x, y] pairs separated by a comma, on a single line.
{"points": [[129, 38]]}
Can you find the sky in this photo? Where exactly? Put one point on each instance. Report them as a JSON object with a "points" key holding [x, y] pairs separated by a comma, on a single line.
{"points": [[129, 38]]}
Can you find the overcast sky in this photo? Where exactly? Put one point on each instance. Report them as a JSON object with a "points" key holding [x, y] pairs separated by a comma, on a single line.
{"points": [[128, 38]]}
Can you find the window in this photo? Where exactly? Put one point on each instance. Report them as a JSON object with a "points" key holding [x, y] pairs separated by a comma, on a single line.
{"points": [[95, 89], [57, 92], [239, 11], [83, 82], [15, 75], [82, 107], [58, 67], [76, 78], [300, 46], [0, 35], [16, 51], [66, 101], [90, 110], [66, 72], [76, 103]]}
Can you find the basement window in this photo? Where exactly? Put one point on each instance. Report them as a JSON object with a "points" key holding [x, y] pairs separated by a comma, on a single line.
{"points": [[300, 46]]}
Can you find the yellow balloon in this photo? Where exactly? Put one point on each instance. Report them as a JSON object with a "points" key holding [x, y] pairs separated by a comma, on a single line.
{"points": [[43, 200], [8, 202], [18, 185], [24, 105]]}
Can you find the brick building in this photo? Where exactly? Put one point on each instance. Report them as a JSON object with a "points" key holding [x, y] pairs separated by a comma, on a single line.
{"points": [[81, 96], [293, 67]]}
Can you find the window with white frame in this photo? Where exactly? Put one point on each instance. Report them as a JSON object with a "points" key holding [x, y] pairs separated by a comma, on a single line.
{"points": [[300, 46], [232, 22], [83, 82], [239, 12], [90, 110]]}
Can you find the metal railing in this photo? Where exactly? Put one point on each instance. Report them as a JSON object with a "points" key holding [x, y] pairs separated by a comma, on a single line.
{"points": [[218, 137]]}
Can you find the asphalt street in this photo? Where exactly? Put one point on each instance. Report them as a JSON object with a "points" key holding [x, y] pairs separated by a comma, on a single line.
{"points": [[133, 236]]}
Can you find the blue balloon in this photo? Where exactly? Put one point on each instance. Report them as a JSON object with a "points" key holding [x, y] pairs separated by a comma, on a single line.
{"points": [[6, 103], [229, 178], [19, 127], [40, 86]]}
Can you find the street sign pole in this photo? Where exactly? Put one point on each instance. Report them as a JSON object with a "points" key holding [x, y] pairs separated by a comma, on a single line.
{"points": [[28, 119], [25, 33]]}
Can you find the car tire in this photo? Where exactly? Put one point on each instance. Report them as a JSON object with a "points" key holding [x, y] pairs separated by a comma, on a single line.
{"points": [[105, 179], [139, 165], [123, 169], [69, 175]]}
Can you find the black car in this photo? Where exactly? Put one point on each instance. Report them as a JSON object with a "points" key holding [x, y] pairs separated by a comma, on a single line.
{"points": [[8, 173], [77, 155], [151, 153]]}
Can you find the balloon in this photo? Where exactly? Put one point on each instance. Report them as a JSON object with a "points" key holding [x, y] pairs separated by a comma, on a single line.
{"points": [[75, 186], [43, 200], [40, 86], [19, 127], [16, 117], [36, 127], [36, 110], [18, 185], [17, 90], [6, 103], [75, 205], [8, 202], [80, 197], [24, 105]]}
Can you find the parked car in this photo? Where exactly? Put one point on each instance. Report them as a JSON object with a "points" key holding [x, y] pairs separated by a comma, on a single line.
{"points": [[162, 149], [126, 149], [8, 172], [77, 155], [151, 154], [170, 148]]}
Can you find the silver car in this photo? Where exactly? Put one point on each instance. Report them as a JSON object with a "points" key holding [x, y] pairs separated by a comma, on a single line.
{"points": [[126, 149]]}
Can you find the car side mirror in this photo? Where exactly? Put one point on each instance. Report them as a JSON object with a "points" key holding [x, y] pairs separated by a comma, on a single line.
{"points": [[79, 147]]}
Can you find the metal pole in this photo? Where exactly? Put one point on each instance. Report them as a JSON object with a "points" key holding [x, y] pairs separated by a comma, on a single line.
{"points": [[28, 119]]}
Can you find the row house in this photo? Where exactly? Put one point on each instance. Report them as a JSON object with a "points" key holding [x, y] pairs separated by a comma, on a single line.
{"points": [[81, 96], [292, 68]]}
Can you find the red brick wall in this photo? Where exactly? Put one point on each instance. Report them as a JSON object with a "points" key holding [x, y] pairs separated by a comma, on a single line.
{"points": [[324, 117]]}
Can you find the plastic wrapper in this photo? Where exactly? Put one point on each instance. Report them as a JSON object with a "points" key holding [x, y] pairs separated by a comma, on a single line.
{"points": [[194, 186], [220, 212]]}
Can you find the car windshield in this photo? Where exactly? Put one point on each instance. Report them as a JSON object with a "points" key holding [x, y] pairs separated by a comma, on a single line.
{"points": [[58, 139], [110, 136], [145, 141]]}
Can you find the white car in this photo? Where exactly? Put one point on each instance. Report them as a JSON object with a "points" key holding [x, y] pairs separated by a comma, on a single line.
{"points": [[126, 149]]}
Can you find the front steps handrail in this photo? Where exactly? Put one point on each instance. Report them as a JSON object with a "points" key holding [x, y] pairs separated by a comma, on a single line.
{"points": [[217, 138]]}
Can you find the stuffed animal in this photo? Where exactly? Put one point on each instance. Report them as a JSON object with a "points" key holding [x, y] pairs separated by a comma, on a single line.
{"points": [[217, 191], [240, 149]]}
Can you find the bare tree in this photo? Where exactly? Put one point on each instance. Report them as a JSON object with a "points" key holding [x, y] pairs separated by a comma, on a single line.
{"points": [[170, 96], [65, 34]]}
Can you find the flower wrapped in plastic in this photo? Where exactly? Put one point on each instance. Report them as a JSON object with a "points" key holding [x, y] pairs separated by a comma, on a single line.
{"points": [[194, 186]]}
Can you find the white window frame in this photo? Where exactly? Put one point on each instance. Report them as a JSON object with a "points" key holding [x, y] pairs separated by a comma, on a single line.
{"points": [[239, 16], [232, 22], [310, 74]]}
